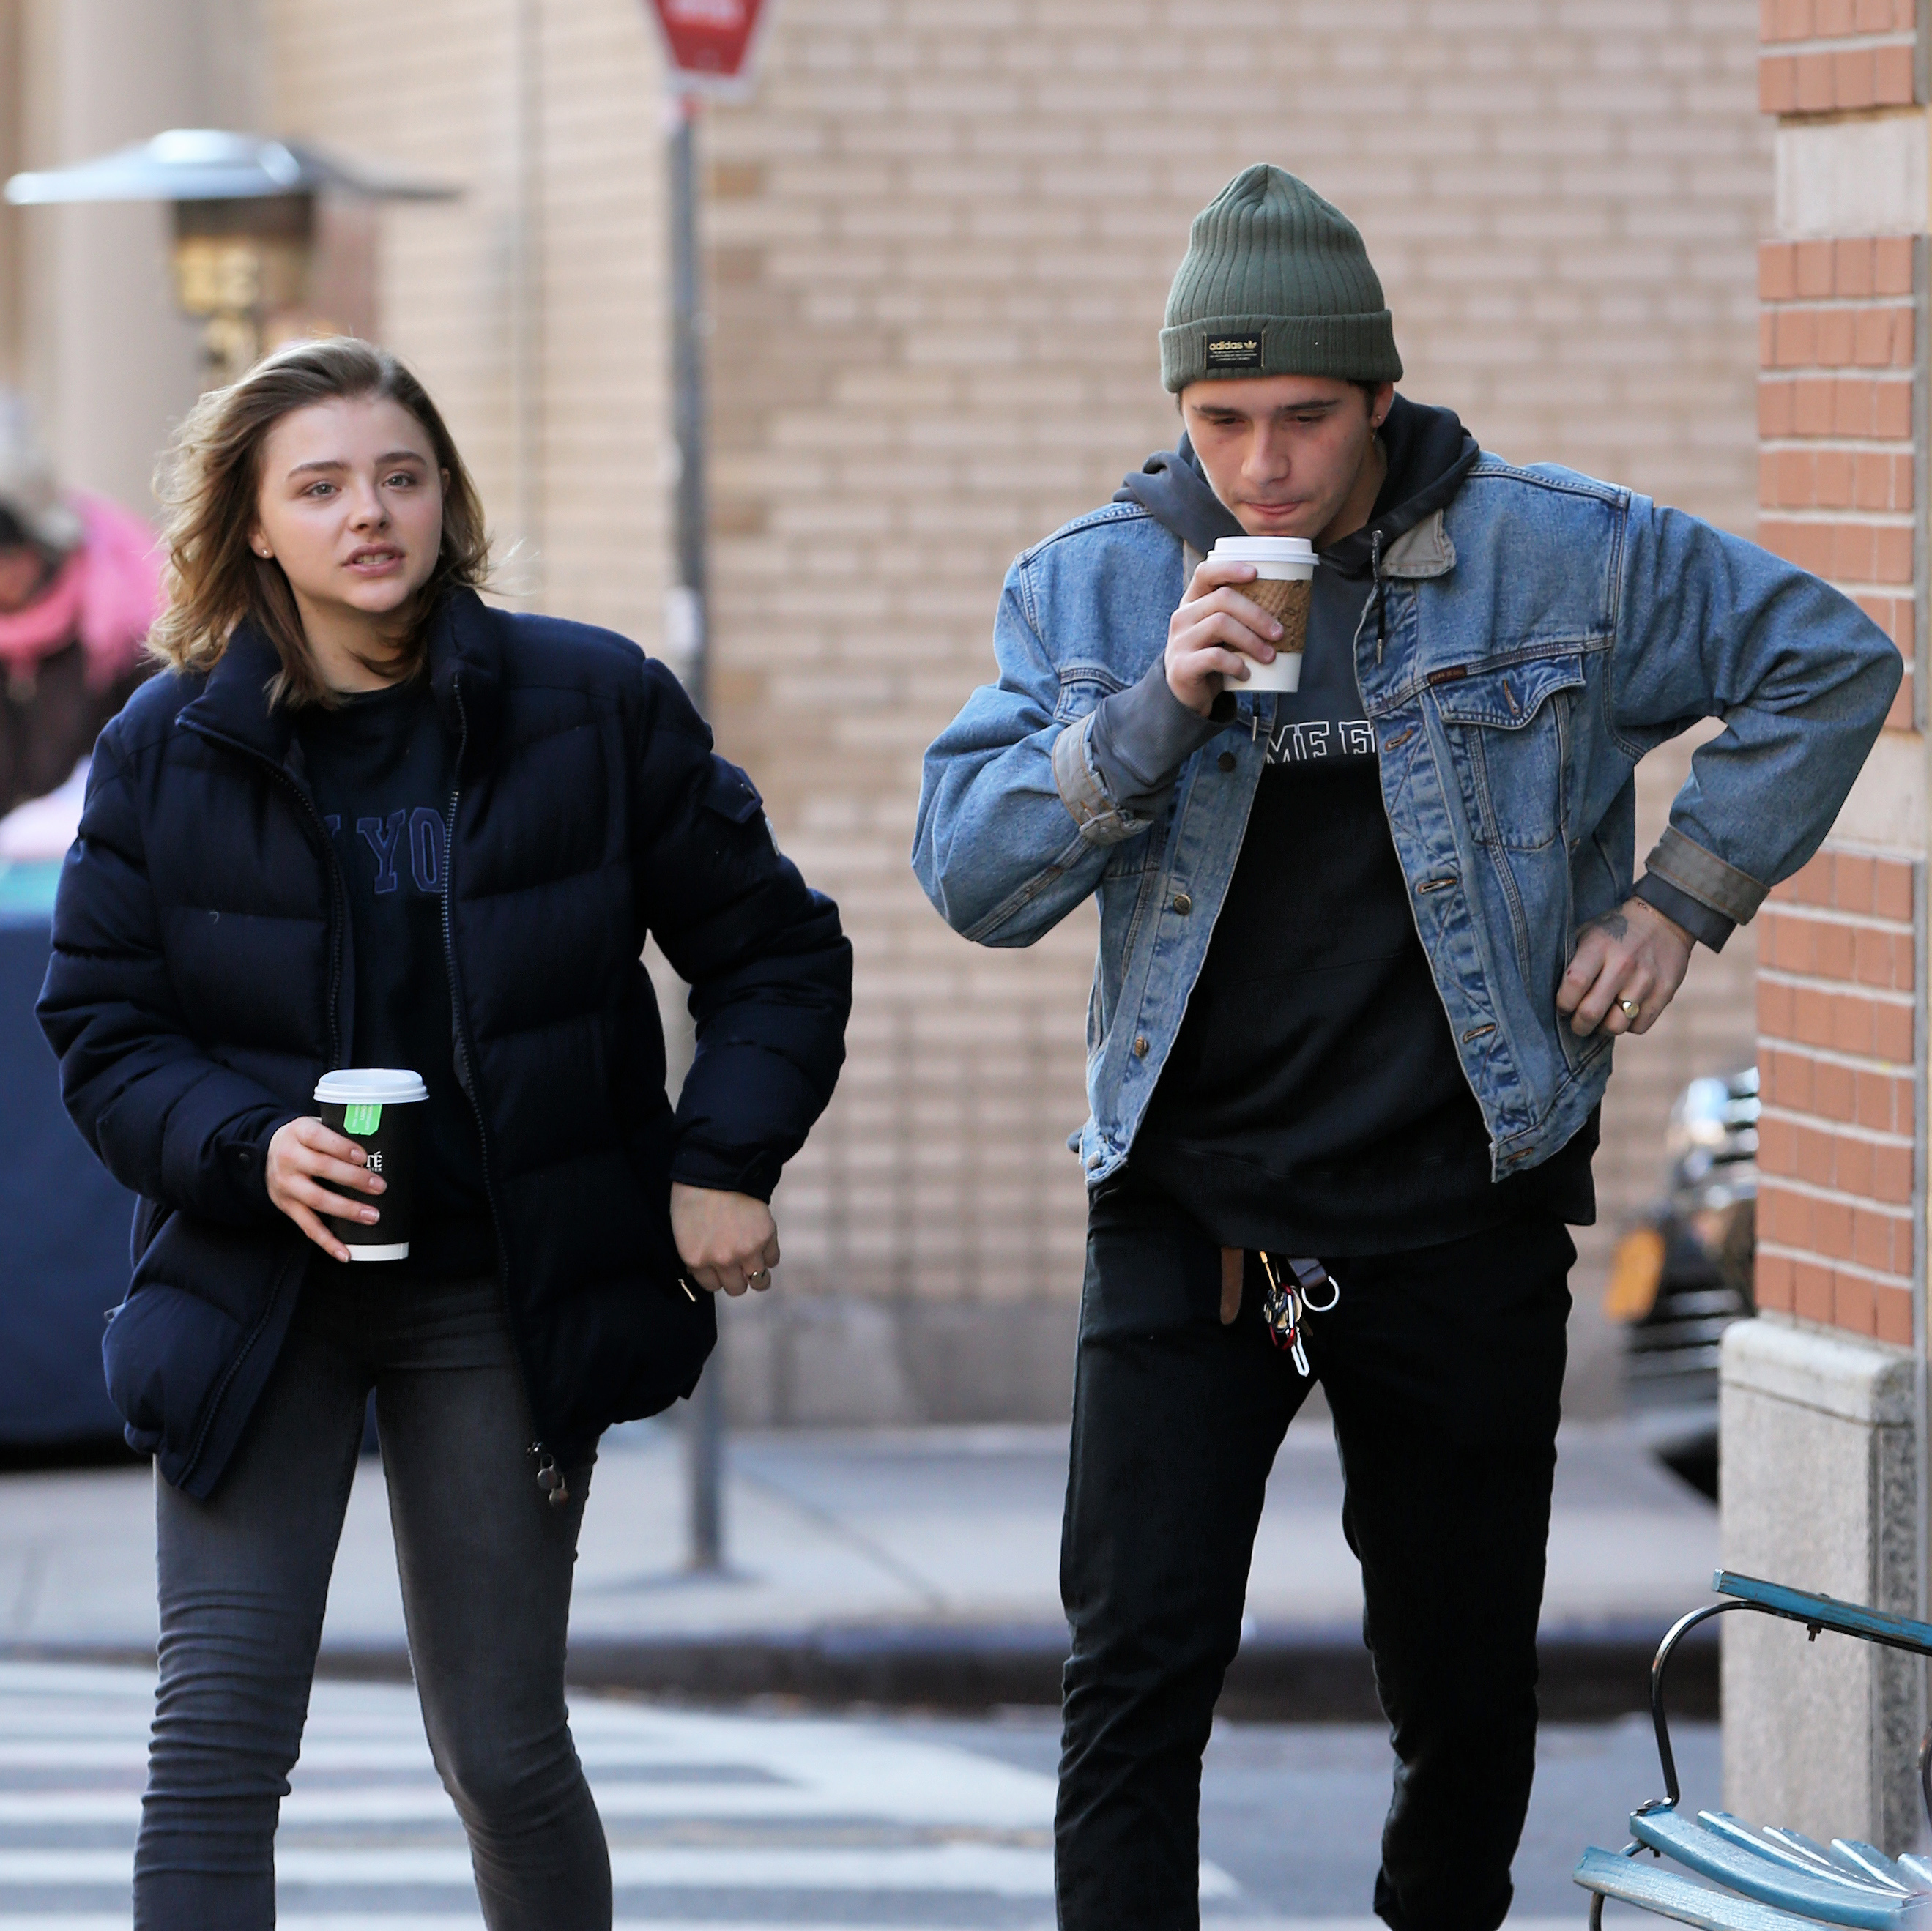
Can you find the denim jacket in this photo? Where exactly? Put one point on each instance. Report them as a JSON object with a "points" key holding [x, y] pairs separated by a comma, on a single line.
{"points": [[1525, 647]]}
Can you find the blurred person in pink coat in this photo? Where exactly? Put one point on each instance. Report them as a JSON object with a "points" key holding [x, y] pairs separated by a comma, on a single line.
{"points": [[80, 585]]}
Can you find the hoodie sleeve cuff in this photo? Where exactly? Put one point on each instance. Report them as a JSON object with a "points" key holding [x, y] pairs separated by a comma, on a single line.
{"points": [[1702, 875], [1696, 918], [1141, 737]]}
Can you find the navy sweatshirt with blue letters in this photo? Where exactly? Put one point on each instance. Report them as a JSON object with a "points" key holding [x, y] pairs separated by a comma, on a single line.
{"points": [[382, 768]]}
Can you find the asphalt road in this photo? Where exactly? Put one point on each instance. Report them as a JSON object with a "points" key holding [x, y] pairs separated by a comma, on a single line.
{"points": [[765, 1817], [1293, 1812]]}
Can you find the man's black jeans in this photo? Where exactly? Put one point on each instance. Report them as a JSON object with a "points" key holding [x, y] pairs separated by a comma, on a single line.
{"points": [[1443, 1368]]}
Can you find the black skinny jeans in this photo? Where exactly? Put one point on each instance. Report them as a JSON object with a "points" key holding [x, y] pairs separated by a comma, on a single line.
{"points": [[1443, 1370], [485, 1565]]}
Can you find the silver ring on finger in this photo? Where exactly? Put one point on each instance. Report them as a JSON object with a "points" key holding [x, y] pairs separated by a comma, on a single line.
{"points": [[1630, 1009], [759, 1274]]}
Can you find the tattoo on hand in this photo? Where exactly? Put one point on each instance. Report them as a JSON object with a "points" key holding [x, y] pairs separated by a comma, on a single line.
{"points": [[1614, 923]]}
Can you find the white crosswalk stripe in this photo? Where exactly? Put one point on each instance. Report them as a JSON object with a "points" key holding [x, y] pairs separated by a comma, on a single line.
{"points": [[721, 1821]]}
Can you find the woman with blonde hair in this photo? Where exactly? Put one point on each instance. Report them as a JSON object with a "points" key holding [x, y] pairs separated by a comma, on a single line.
{"points": [[368, 820]]}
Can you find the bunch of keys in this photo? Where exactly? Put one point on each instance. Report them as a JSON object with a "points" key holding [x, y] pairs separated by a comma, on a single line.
{"points": [[1285, 1302]]}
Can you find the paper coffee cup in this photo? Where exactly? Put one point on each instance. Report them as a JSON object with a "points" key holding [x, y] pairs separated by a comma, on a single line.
{"points": [[375, 1106], [1283, 586]]}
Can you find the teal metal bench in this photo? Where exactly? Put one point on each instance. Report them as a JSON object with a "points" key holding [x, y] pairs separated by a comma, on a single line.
{"points": [[1771, 1879]]}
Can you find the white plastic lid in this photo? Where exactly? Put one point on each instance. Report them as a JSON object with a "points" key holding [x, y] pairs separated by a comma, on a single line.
{"points": [[1264, 549], [370, 1086]]}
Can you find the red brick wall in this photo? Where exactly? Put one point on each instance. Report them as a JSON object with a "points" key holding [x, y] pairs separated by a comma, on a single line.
{"points": [[1835, 421], [1834, 56], [1839, 987], [1836, 1150]]}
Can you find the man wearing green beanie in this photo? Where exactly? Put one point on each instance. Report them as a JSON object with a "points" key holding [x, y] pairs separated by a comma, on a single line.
{"points": [[1365, 947]]}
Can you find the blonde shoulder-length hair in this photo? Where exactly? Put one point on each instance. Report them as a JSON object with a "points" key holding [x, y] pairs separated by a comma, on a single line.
{"points": [[209, 484]]}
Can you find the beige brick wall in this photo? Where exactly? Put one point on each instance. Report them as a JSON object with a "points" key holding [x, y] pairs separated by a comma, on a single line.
{"points": [[941, 240], [940, 236], [576, 499], [12, 310]]}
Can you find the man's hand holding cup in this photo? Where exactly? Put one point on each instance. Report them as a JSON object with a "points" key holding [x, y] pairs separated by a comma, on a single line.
{"points": [[1215, 633], [1244, 620]]}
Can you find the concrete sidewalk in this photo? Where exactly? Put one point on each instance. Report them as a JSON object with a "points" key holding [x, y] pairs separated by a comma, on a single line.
{"points": [[916, 1567]]}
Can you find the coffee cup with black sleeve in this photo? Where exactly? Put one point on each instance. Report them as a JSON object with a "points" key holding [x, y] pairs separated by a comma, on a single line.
{"points": [[377, 1108]]}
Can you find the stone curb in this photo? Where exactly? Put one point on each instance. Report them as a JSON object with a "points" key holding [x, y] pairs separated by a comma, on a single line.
{"points": [[1282, 1676]]}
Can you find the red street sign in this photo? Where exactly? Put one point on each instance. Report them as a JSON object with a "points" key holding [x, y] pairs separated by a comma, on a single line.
{"points": [[707, 42]]}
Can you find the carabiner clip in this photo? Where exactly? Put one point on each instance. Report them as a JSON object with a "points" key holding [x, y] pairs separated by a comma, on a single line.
{"points": [[1285, 1302]]}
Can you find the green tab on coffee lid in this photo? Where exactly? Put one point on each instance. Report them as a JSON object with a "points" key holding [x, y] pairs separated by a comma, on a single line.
{"points": [[370, 1086], [361, 1119]]}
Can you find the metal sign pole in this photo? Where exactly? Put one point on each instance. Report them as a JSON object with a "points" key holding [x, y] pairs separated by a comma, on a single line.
{"points": [[688, 403], [704, 1432], [707, 47]]}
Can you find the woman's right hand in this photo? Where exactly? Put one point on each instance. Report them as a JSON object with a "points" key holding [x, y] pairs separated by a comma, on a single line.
{"points": [[1215, 633], [302, 1154]]}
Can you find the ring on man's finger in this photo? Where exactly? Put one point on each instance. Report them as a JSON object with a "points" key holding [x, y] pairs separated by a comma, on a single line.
{"points": [[1630, 1009]]}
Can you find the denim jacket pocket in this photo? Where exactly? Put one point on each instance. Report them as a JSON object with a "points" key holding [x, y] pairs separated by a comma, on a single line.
{"points": [[1081, 688], [1508, 732]]}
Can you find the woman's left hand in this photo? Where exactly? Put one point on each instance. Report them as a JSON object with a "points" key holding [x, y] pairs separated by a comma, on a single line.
{"points": [[1634, 953], [728, 1240]]}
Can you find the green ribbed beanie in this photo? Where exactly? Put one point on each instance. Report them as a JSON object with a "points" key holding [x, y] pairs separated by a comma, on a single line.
{"points": [[1275, 282]]}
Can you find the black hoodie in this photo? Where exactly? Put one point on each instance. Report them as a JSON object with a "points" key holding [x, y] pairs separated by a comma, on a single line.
{"points": [[1313, 1102]]}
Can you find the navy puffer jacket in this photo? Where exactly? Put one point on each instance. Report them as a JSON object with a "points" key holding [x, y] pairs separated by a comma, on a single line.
{"points": [[201, 982]]}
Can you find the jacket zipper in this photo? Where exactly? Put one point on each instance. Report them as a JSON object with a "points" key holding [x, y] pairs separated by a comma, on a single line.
{"points": [[338, 919], [550, 1477]]}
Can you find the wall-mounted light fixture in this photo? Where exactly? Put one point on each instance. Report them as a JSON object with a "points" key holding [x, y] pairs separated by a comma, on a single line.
{"points": [[272, 238]]}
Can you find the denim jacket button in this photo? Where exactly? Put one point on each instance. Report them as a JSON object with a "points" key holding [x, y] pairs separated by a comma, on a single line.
{"points": [[1226, 760], [1140, 1047], [1183, 905]]}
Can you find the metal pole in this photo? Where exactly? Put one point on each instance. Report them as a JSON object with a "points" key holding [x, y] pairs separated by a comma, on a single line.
{"points": [[687, 407], [704, 1459], [704, 1436], [526, 298]]}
